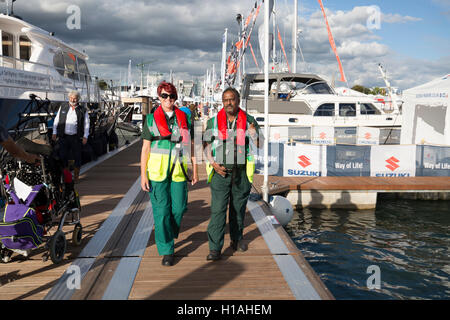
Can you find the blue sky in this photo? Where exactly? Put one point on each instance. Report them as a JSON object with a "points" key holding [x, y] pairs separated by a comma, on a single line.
{"points": [[427, 38]]}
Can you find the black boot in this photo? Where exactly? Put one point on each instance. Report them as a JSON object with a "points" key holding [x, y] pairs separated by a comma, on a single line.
{"points": [[167, 260], [213, 255], [239, 246]]}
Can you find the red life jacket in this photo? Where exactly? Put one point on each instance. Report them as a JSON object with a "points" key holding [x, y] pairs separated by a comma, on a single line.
{"points": [[241, 126], [161, 123]]}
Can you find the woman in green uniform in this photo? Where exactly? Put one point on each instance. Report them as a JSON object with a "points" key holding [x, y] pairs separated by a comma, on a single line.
{"points": [[166, 146]]}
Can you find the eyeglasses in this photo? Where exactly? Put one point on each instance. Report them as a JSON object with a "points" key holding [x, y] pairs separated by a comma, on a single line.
{"points": [[166, 95]]}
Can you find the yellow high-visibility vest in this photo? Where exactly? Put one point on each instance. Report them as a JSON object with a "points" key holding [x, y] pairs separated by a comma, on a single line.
{"points": [[163, 153]]}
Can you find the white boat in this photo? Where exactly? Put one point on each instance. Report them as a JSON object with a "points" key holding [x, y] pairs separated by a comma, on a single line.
{"points": [[300, 102], [34, 63]]}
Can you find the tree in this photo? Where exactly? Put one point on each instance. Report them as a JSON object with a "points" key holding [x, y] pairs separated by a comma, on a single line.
{"points": [[378, 91], [361, 89], [102, 84]]}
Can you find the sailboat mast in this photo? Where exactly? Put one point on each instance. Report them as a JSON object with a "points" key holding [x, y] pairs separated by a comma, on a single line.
{"points": [[274, 49], [265, 186], [294, 38]]}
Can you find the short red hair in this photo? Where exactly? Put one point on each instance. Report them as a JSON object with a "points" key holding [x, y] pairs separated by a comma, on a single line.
{"points": [[168, 87]]}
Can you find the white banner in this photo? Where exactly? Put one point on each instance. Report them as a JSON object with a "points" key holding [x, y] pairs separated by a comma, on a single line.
{"points": [[368, 136], [279, 134], [322, 135], [304, 160], [393, 161], [24, 79]]}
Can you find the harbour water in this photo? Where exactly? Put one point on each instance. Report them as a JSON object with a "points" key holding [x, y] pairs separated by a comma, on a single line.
{"points": [[403, 243]]}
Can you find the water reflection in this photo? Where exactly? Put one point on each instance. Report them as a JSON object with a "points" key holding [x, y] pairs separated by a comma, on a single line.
{"points": [[409, 240]]}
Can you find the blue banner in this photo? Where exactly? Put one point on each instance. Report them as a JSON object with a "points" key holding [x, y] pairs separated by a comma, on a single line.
{"points": [[348, 161], [433, 161], [276, 159]]}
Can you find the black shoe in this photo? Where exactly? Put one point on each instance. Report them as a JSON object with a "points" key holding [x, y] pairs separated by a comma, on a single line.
{"points": [[167, 260], [213, 255], [238, 246]]}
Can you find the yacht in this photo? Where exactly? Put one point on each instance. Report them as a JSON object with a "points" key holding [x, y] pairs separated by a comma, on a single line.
{"points": [[301, 102], [39, 70]]}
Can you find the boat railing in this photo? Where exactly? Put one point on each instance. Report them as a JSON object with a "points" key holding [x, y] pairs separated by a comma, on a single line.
{"points": [[58, 78]]}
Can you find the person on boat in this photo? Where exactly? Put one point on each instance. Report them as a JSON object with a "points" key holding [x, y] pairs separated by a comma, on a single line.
{"points": [[166, 144], [230, 168], [15, 150], [71, 127]]}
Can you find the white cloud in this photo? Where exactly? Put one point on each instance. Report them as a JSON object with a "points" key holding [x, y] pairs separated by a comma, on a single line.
{"points": [[185, 36], [396, 18]]}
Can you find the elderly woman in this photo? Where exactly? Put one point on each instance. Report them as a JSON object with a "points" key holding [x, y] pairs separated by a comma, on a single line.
{"points": [[71, 126], [166, 146]]}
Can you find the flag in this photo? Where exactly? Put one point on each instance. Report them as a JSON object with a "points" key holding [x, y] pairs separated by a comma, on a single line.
{"points": [[282, 47], [333, 45]]}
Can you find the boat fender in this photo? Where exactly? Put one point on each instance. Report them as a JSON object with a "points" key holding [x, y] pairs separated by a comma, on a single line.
{"points": [[282, 209]]}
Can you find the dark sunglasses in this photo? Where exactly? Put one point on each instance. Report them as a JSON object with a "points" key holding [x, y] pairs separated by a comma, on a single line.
{"points": [[166, 95]]}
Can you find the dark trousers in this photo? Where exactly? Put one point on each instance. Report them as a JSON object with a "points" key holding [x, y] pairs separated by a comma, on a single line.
{"points": [[70, 146], [231, 192]]}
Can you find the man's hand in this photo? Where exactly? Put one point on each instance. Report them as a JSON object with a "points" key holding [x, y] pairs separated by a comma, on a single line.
{"points": [[84, 141], [252, 131], [219, 169], [54, 137]]}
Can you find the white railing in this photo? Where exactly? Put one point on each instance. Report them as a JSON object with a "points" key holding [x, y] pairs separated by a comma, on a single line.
{"points": [[57, 82]]}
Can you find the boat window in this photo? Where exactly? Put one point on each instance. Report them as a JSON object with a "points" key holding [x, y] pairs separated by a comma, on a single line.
{"points": [[25, 48], [70, 66], [83, 69], [256, 88], [321, 88], [304, 86], [368, 108], [7, 44], [58, 62], [325, 110], [347, 109]]}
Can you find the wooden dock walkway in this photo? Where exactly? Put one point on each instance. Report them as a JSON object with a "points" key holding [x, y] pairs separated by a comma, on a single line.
{"points": [[118, 257]]}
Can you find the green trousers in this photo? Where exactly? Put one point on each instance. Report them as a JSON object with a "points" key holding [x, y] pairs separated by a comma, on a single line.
{"points": [[230, 191], [169, 203]]}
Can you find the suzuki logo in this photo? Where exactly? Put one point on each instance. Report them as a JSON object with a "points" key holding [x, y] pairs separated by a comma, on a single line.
{"points": [[392, 163], [322, 135], [368, 135], [304, 161]]}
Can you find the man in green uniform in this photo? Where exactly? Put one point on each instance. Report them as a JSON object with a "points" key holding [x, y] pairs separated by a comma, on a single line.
{"points": [[230, 171]]}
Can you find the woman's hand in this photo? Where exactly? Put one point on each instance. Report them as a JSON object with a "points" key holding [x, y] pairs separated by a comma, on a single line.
{"points": [[144, 184], [194, 179]]}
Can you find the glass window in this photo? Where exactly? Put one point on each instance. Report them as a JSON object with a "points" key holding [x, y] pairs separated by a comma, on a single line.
{"points": [[321, 88], [58, 62], [7, 44], [256, 87], [325, 110], [83, 69], [70, 64], [347, 109], [368, 108], [25, 48]]}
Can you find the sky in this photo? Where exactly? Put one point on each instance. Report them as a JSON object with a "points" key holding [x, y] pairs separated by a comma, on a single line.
{"points": [[409, 38]]}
